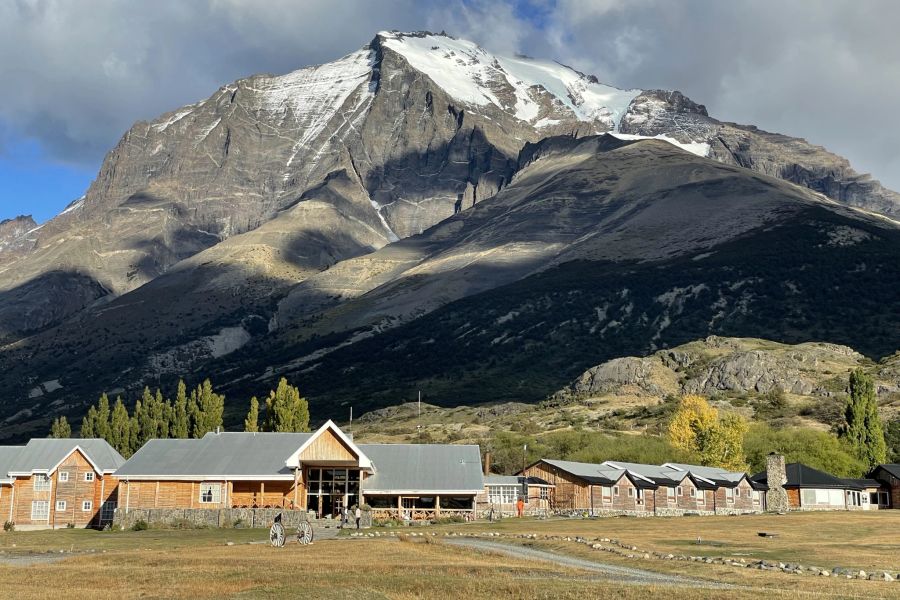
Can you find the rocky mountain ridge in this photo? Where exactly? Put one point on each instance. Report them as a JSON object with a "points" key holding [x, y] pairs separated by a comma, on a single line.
{"points": [[406, 215], [420, 124], [630, 393]]}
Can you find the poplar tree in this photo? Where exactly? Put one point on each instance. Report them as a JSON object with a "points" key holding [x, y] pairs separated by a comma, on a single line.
{"points": [[863, 428], [121, 430], [60, 428], [286, 410], [101, 422], [251, 423], [88, 423], [181, 426], [206, 408]]}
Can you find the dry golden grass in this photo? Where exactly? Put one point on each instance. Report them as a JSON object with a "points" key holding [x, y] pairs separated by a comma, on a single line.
{"points": [[370, 568], [197, 564], [864, 540]]}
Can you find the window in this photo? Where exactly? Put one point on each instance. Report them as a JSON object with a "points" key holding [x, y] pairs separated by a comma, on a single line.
{"points": [[87, 506], [615, 490], [640, 496], [607, 493], [502, 494], [60, 505], [41, 483], [107, 510], [729, 495], [701, 497], [40, 510], [544, 493], [630, 492], [755, 496], [89, 476], [883, 498], [63, 476], [692, 492], [679, 491], [670, 494], [210, 493]]}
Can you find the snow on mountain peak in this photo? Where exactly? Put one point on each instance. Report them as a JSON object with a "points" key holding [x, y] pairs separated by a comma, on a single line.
{"points": [[473, 75]]}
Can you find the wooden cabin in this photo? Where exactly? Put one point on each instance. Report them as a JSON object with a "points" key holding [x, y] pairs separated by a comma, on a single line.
{"points": [[888, 493], [323, 472], [811, 489], [614, 487], [50, 483]]}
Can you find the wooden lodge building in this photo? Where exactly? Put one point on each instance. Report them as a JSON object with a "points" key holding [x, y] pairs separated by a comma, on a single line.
{"points": [[58, 482], [811, 489], [323, 472], [615, 488]]}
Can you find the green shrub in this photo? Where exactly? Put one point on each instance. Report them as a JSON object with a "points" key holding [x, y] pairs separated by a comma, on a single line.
{"points": [[140, 525]]}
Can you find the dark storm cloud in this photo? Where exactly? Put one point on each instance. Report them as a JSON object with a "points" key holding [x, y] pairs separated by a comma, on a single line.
{"points": [[77, 74]]}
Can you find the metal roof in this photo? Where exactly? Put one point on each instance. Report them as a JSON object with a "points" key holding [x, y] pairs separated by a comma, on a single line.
{"points": [[45, 454], [890, 469], [515, 480], [224, 454], [715, 474], [801, 476], [7, 456], [411, 468], [660, 475]]}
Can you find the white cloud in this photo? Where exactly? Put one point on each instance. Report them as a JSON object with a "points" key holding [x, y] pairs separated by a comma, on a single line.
{"points": [[77, 74]]}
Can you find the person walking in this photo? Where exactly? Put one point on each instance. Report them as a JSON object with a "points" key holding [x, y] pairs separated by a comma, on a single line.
{"points": [[358, 516], [520, 507]]}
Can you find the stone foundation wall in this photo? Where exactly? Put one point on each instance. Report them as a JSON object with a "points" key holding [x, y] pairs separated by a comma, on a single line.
{"points": [[231, 517]]}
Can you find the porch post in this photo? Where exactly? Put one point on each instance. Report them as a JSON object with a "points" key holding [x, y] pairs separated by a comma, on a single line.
{"points": [[437, 506], [296, 485], [262, 493]]}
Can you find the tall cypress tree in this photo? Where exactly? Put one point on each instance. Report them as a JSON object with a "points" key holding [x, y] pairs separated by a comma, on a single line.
{"points": [[863, 429]]}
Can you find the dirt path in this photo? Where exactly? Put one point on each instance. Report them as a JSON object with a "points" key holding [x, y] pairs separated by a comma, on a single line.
{"points": [[621, 574]]}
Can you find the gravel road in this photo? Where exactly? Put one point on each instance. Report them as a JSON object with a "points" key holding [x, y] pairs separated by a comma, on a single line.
{"points": [[621, 574]]}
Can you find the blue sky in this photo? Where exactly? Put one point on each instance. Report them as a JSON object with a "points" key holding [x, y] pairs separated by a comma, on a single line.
{"points": [[31, 183], [78, 73]]}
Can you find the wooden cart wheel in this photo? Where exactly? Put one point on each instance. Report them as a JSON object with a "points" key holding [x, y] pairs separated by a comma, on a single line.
{"points": [[276, 535], [304, 533]]}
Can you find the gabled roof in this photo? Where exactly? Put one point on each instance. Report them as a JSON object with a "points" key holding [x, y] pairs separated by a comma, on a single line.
{"points": [[44, 455], [231, 455], [801, 476], [717, 475], [364, 462], [7, 457], [589, 472], [423, 468], [890, 469], [659, 475], [861, 483]]}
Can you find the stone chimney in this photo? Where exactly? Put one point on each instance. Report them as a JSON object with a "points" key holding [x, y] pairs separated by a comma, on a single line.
{"points": [[776, 477], [487, 463]]}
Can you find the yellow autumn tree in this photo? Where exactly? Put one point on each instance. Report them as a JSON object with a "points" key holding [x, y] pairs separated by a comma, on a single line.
{"points": [[716, 440]]}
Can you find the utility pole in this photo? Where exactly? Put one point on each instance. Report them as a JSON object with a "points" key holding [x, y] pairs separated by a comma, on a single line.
{"points": [[524, 451], [419, 412], [351, 421]]}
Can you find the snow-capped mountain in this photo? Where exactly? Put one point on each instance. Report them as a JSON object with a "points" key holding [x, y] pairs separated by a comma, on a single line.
{"points": [[237, 216]]}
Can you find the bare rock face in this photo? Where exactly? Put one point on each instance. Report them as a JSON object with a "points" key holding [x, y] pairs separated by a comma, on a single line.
{"points": [[14, 238], [730, 365]]}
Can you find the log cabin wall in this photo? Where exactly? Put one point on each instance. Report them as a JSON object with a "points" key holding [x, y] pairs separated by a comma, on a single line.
{"points": [[570, 493], [6, 494], [187, 494]]}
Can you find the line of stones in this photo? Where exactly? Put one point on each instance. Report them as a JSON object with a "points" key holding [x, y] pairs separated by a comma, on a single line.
{"points": [[624, 550]]}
